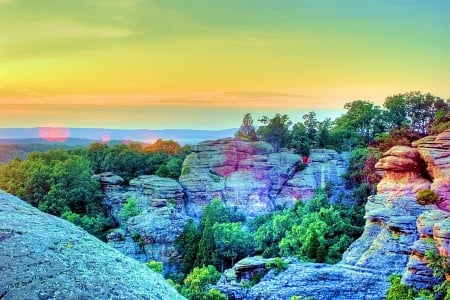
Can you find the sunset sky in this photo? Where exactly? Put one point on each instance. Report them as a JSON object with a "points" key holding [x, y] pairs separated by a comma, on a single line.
{"points": [[204, 64]]}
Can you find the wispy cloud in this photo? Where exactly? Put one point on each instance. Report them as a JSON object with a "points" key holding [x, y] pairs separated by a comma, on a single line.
{"points": [[72, 29]]}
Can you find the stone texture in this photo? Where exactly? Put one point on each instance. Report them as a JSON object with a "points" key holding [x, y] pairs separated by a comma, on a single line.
{"points": [[108, 178], [151, 234], [320, 281], [324, 167], [434, 224], [44, 257], [252, 179], [384, 248]]}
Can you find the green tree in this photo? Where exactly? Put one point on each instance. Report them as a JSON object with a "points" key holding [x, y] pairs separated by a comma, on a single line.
{"points": [[414, 110], [247, 131], [300, 141], [196, 284], [275, 131], [187, 246], [311, 125], [232, 242], [361, 123], [214, 212], [398, 290], [60, 183]]}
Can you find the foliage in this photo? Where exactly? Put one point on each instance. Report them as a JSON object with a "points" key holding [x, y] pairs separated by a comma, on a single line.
{"points": [[313, 231], [170, 147], [320, 237], [275, 131], [247, 131], [278, 264], [60, 183], [360, 124], [232, 242], [299, 140], [187, 246], [414, 110], [398, 290], [196, 284], [361, 176], [130, 209], [426, 197], [402, 136], [164, 158], [156, 266], [214, 212]]}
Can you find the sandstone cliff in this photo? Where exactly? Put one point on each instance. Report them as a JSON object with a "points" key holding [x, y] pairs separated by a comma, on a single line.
{"points": [[249, 177], [44, 257], [383, 249], [395, 236], [253, 179]]}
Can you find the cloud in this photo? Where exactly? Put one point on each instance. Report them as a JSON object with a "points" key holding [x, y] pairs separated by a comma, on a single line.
{"points": [[72, 29], [248, 94]]}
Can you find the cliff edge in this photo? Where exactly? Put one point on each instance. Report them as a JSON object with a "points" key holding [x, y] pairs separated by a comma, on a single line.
{"points": [[44, 257]]}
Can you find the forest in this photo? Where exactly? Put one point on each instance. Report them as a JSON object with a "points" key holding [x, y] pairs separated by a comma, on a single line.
{"points": [[59, 182]]}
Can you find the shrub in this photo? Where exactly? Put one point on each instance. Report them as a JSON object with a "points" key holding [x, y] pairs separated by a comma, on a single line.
{"points": [[197, 282], [277, 264], [156, 266], [426, 197], [130, 209], [398, 290]]}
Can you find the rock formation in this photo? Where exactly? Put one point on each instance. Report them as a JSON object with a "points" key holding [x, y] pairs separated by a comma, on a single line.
{"points": [[383, 249], [395, 238], [253, 179], [435, 224], [44, 257], [249, 177], [151, 233]]}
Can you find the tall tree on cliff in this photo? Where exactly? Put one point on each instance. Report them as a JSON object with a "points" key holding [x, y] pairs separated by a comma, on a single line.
{"points": [[359, 125], [414, 110], [275, 131], [247, 131]]}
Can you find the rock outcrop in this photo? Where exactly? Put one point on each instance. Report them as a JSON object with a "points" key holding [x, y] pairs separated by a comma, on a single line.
{"points": [[160, 218], [252, 179], [383, 249], [396, 236], [44, 257], [435, 224]]}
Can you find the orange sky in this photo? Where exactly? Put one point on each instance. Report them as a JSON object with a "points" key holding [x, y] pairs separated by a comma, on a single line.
{"points": [[204, 64]]}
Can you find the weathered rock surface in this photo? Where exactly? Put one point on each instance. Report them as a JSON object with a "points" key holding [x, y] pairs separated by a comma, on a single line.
{"points": [[383, 249], [435, 224], [320, 281], [44, 257], [150, 235], [253, 179]]}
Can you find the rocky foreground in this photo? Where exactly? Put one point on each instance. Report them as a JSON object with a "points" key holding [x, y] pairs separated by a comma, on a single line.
{"points": [[44, 257]]}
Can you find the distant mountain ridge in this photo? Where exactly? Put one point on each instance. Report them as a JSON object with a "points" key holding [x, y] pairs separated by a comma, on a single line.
{"points": [[58, 134]]}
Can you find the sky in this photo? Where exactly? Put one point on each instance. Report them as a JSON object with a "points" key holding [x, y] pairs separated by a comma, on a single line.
{"points": [[203, 64]]}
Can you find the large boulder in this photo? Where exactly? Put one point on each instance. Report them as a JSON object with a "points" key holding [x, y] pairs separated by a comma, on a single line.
{"points": [[44, 257]]}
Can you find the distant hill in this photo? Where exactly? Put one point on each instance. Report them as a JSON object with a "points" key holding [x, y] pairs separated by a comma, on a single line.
{"points": [[83, 136]]}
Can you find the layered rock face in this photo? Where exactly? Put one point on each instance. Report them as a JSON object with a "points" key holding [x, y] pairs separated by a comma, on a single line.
{"points": [[249, 177], [435, 224], [395, 237], [160, 218], [44, 257], [253, 179], [383, 249]]}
